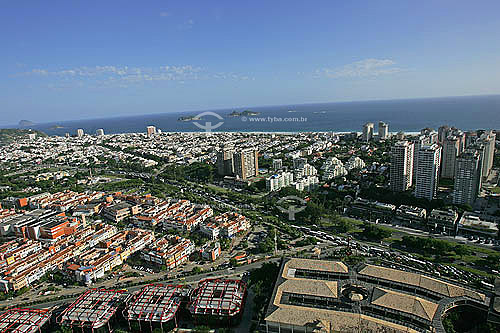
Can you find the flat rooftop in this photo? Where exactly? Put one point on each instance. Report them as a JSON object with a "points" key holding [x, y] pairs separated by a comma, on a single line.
{"points": [[23, 320], [218, 297], [155, 302], [447, 215], [94, 308], [471, 221]]}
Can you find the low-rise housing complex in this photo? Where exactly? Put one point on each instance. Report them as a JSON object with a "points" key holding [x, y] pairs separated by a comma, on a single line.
{"points": [[169, 251]]}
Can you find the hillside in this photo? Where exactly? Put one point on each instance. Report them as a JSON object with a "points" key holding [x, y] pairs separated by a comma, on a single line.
{"points": [[10, 134]]}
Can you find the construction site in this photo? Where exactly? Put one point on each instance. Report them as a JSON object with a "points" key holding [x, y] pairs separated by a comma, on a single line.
{"points": [[94, 310], [25, 321], [218, 301], [156, 306]]}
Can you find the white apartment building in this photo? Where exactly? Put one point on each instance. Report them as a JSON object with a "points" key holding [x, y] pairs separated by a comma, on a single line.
{"points": [[402, 166], [333, 168], [429, 160], [354, 162], [368, 131], [308, 183], [383, 130], [278, 181]]}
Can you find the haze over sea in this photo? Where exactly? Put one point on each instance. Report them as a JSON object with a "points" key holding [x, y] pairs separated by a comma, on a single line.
{"points": [[411, 115]]}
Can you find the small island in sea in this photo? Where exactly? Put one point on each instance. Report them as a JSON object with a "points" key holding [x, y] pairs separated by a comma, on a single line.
{"points": [[188, 118], [56, 127], [245, 113], [25, 123]]}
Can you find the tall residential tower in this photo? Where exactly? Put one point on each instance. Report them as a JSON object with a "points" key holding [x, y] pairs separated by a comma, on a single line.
{"points": [[402, 166], [246, 163], [429, 160], [383, 130], [367, 131], [467, 177]]}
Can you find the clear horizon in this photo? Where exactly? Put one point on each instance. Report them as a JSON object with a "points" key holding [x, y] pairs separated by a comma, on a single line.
{"points": [[235, 108], [85, 60]]}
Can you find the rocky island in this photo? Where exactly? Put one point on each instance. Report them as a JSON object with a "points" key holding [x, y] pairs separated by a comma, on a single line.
{"points": [[245, 113], [188, 118]]}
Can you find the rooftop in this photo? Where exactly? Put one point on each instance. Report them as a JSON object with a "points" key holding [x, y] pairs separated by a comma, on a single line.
{"points": [[94, 308], [406, 303], [23, 320], [218, 297], [313, 265], [418, 280], [323, 302], [155, 302], [449, 214], [469, 220]]}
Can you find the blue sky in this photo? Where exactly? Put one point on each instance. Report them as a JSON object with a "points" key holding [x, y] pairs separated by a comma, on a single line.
{"points": [[63, 60]]}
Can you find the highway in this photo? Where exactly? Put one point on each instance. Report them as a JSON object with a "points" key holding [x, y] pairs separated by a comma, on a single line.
{"points": [[226, 273]]}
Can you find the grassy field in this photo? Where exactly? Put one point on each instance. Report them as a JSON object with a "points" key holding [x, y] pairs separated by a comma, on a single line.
{"points": [[472, 270]]}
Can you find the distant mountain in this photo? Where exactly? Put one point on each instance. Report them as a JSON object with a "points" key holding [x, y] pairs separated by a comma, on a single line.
{"points": [[26, 123], [11, 134]]}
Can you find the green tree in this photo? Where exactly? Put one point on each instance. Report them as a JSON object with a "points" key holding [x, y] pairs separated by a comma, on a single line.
{"points": [[461, 250], [375, 233], [197, 270]]}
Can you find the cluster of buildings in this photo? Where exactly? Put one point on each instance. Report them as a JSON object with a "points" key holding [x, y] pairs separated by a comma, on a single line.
{"points": [[181, 216], [55, 234], [241, 163], [440, 221], [368, 131], [225, 225], [80, 133], [465, 158], [330, 296], [169, 252], [149, 211], [83, 150], [304, 176], [85, 252], [174, 214], [106, 250]]}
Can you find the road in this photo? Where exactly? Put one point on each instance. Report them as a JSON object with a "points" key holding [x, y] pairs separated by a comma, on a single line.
{"points": [[226, 273]]}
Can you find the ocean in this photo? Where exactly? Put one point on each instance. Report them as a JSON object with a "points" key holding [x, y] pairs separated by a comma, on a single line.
{"points": [[409, 115]]}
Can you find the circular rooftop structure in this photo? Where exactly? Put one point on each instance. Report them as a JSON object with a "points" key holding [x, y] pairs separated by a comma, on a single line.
{"points": [[354, 293]]}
